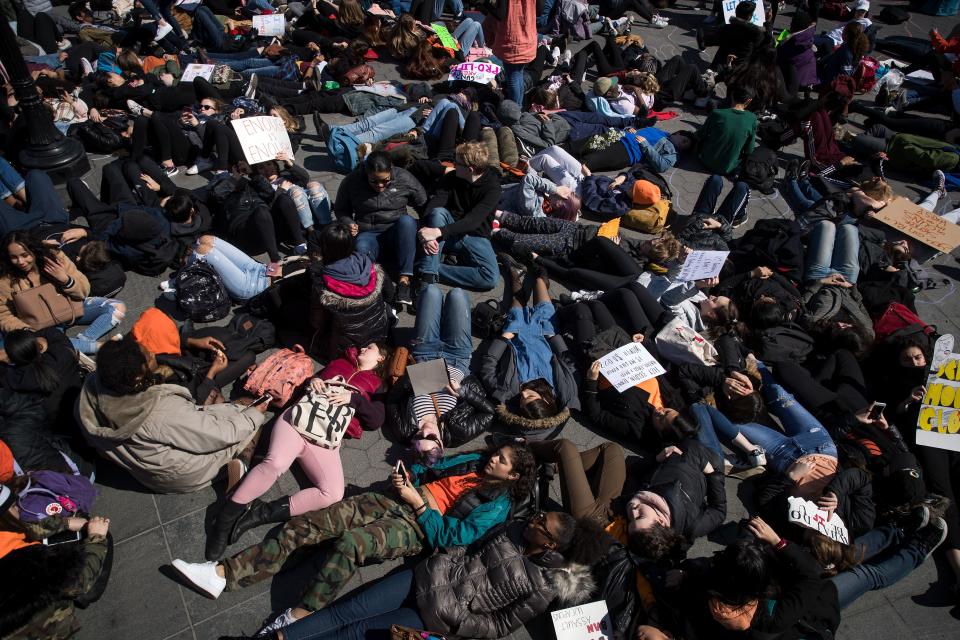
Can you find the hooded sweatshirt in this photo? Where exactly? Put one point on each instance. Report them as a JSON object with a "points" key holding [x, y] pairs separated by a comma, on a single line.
{"points": [[353, 277]]}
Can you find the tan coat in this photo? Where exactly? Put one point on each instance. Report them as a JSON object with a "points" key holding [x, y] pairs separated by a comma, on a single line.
{"points": [[8, 286]]}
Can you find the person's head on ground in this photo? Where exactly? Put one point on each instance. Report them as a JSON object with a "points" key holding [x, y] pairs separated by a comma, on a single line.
{"points": [[25, 348], [576, 540], [718, 311], [374, 357], [512, 468], [913, 353], [179, 208], [833, 556], [378, 169], [537, 400], [673, 426], [107, 80], [739, 576], [125, 367], [545, 97], [855, 38], [471, 160], [289, 122], [605, 87], [564, 208], [683, 140]]}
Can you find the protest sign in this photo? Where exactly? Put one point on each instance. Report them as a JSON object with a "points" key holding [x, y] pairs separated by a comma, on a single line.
{"points": [[197, 71], [589, 621], [479, 72], [730, 6], [918, 223], [272, 25], [629, 365], [938, 424], [808, 514], [262, 138], [702, 264], [446, 39], [428, 377]]}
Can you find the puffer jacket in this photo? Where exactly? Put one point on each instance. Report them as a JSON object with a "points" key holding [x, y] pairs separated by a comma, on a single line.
{"points": [[494, 590], [371, 211], [498, 372], [356, 316], [24, 428], [824, 302], [472, 415], [165, 441]]}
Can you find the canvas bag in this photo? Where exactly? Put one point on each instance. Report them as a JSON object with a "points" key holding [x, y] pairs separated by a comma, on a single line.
{"points": [[280, 375], [320, 422], [44, 307], [650, 219], [679, 344]]}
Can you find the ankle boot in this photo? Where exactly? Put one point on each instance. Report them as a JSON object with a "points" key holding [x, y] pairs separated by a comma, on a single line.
{"points": [[258, 513], [220, 535]]}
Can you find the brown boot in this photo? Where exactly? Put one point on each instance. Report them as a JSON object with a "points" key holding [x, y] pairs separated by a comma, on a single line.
{"points": [[518, 272]]}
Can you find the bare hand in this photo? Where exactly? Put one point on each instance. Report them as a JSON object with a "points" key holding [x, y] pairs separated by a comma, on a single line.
{"points": [[761, 273], [835, 280], [453, 388], [429, 233], [206, 344], [431, 248], [593, 373], [637, 337], [98, 526], [191, 120], [707, 283], [75, 523], [423, 100], [712, 223], [236, 113], [72, 235], [828, 502], [917, 394], [219, 363], [799, 470], [340, 398], [56, 268], [318, 386], [763, 531], [619, 180], [150, 182], [283, 156], [95, 115], [667, 452], [354, 229]]}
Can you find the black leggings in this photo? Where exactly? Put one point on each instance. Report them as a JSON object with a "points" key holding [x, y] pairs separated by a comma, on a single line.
{"points": [[677, 76], [451, 127], [838, 381], [631, 308], [286, 219], [121, 182], [612, 158], [608, 58], [168, 138], [256, 233], [222, 137], [619, 268], [40, 29], [280, 88], [902, 123], [941, 470], [311, 102]]}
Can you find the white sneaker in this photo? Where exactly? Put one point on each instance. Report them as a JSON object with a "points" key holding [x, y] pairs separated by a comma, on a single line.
{"points": [[658, 23], [285, 619], [567, 56], [86, 66], [162, 31], [202, 164], [758, 457], [64, 44], [135, 108], [554, 57], [202, 575]]}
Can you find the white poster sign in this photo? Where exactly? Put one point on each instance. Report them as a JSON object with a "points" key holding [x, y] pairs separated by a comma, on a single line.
{"points": [[272, 25], [629, 365], [590, 621], [729, 6], [479, 72], [262, 138], [938, 424], [192, 71], [702, 264], [808, 514]]}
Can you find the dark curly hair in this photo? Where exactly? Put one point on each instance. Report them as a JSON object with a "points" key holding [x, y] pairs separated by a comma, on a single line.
{"points": [[580, 541], [525, 466], [122, 367], [657, 542]]}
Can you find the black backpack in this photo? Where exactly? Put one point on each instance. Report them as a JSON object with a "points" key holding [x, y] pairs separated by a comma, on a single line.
{"points": [[200, 293], [760, 170], [771, 243], [487, 320], [893, 15]]}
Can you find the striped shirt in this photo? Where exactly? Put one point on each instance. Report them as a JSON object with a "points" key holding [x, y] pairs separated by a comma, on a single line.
{"points": [[437, 403]]}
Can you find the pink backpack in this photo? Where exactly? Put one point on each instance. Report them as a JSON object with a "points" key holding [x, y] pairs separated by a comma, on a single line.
{"points": [[280, 375]]}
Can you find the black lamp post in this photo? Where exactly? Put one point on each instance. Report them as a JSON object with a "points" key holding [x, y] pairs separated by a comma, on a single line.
{"points": [[46, 148]]}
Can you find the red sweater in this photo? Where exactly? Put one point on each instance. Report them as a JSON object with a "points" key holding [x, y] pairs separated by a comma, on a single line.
{"points": [[367, 381]]}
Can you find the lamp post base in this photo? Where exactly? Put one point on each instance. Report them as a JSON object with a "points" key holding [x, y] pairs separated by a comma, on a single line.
{"points": [[61, 160]]}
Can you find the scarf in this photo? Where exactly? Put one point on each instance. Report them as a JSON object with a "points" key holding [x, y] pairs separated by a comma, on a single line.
{"points": [[656, 502]]}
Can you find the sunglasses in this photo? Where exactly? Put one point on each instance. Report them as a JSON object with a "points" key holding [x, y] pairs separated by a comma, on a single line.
{"points": [[207, 107], [375, 181], [539, 520]]}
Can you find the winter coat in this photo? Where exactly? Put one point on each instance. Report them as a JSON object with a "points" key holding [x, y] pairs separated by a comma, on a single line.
{"points": [[472, 415], [494, 590], [745, 291], [78, 289], [625, 416], [498, 372], [740, 38], [356, 318], [917, 154], [796, 52], [358, 203], [824, 302], [162, 437], [151, 256], [25, 429], [515, 36], [693, 234], [61, 358]]}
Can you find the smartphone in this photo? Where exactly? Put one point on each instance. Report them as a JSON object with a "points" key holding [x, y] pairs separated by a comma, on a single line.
{"points": [[402, 470], [62, 538], [876, 410], [260, 400]]}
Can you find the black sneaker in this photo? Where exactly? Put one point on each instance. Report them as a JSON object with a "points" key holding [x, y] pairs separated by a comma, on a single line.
{"points": [[931, 537], [917, 519], [792, 170], [404, 293], [740, 220], [701, 45]]}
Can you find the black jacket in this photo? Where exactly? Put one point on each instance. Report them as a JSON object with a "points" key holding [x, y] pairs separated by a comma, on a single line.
{"points": [[745, 291], [739, 38], [24, 428], [371, 211], [472, 415], [61, 358], [472, 204]]}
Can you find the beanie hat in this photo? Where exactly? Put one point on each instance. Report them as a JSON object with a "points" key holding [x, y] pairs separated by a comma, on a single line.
{"points": [[509, 112], [861, 5], [602, 85], [645, 193], [157, 332]]}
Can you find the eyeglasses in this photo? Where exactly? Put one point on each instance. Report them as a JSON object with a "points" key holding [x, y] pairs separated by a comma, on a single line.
{"points": [[207, 107], [539, 520], [378, 182]]}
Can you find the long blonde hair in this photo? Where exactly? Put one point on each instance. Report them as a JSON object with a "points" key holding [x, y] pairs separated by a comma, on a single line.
{"points": [[403, 38]]}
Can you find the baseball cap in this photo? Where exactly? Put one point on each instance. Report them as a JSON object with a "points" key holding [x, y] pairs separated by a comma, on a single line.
{"points": [[862, 5]]}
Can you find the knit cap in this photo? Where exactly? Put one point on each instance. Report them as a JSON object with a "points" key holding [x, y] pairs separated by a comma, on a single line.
{"points": [[645, 193], [602, 85]]}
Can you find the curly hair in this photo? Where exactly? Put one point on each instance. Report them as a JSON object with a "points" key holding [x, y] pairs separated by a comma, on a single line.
{"points": [[122, 367], [647, 83], [665, 247], [657, 542], [525, 466]]}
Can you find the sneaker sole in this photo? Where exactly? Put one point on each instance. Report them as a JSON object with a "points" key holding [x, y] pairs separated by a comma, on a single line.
{"points": [[943, 536], [193, 584]]}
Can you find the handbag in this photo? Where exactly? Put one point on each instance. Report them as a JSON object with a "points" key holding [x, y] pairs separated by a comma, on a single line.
{"points": [[399, 362], [44, 307], [400, 632], [319, 421], [680, 344]]}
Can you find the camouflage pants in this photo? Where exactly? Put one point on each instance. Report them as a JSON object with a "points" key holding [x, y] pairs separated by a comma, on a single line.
{"points": [[367, 527]]}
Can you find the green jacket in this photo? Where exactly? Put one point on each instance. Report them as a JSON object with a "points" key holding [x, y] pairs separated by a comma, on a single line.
{"points": [[450, 531], [918, 154], [726, 139]]}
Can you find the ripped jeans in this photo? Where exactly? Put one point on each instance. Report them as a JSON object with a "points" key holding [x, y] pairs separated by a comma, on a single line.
{"points": [[101, 315], [313, 205]]}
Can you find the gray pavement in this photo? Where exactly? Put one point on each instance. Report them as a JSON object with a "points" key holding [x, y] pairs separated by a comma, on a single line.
{"points": [[144, 602]]}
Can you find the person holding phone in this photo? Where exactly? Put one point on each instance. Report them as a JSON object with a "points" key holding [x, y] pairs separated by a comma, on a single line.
{"points": [[155, 430]]}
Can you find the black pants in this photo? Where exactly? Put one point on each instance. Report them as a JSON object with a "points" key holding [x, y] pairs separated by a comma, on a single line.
{"points": [[222, 137], [612, 158], [122, 182], [100, 214], [677, 76], [941, 469], [257, 233], [286, 219], [631, 308], [280, 88], [167, 137], [608, 58], [311, 102], [40, 29], [598, 264], [902, 123], [451, 128], [838, 382]]}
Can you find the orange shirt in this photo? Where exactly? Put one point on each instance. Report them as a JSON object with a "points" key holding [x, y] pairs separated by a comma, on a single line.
{"points": [[824, 469], [651, 386], [447, 491]]}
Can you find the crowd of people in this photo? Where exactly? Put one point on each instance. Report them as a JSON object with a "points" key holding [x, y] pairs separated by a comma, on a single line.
{"points": [[800, 366]]}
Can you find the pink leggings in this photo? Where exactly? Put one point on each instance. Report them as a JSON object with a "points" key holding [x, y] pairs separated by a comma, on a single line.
{"points": [[321, 465]]}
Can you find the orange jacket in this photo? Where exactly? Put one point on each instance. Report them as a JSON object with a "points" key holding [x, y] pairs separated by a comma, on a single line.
{"points": [[515, 38]]}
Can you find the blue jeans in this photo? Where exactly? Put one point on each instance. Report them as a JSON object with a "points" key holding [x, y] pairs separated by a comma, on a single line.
{"points": [[210, 31], [434, 122], [313, 207], [514, 84], [468, 33], [398, 240], [269, 71], [442, 327], [100, 315], [456, 8], [801, 195], [43, 205], [376, 607], [242, 276], [246, 64], [262, 5], [476, 261], [886, 566], [706, 433], [380, 126], [833, 248], [733, 205], [10, 181], [52, 60], [163, 11]]}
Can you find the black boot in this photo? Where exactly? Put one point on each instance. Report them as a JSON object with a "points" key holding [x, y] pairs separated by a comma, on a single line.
{"points": [[217, 540], [258, 513]]}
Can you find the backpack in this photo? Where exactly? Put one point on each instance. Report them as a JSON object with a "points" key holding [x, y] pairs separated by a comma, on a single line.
{"points": [[280, 375], [773, 243], [200, 293], [487, 320], [760, 170], [893, 15], [834, 10], [649, 219], [865, 77], [899, 320], [783, 343], [50, 493]]}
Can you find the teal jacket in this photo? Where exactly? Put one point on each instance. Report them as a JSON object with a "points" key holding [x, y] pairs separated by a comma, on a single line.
{"points": [[448, 531]]}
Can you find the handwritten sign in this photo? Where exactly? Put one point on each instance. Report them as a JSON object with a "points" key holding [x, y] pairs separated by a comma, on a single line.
{"points": [[730, 6], [262, 138], [808, 514], [272, 25], [938, 424], [479, 72], [629, 365], [192, 71], [590, 621], [702, 264], [918, 223], [446, 39]]}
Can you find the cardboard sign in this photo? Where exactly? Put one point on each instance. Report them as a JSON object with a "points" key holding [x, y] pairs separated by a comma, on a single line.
{"points": [[918, 223], [938, 424], [262, 138], [702, 264], [192, 71], [729, 6], [446, 39], [428, 377], [808, 514], [480, 72], [629, 365], [589, 621], [272, 25]]}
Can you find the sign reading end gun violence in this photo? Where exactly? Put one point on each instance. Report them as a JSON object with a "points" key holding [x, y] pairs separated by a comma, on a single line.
{"points": [[589, 621], [918, 223], [262, 138], [938, 424]]}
